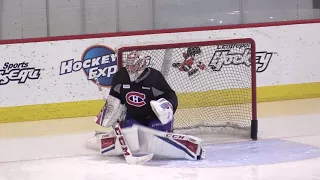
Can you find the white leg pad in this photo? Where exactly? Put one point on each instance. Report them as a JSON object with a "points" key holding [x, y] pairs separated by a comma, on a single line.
{"points": [[144, 140], [170, 145], [110, 145]]}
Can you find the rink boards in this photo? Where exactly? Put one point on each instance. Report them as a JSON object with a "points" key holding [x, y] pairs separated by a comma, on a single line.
{"points": [[49, 77]]}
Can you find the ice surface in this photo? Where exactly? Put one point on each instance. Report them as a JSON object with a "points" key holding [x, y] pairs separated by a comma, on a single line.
{"points": [[288, 148]]}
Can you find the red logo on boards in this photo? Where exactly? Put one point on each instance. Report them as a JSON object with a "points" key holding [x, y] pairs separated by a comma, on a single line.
{"points": [[135, 99]]}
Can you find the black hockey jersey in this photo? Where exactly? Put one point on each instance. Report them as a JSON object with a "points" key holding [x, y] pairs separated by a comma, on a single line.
{"points": [[137, 95]]}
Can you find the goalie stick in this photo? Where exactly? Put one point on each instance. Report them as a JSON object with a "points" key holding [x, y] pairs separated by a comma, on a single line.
{"points": [[130, 159], [126, 151]]}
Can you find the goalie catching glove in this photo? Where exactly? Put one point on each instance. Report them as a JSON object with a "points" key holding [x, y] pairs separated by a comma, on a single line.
{"points": [[111, 112], [163, 110]]}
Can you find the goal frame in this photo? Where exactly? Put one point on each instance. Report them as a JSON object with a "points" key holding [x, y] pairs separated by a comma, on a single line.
{"points": [[254, 120]]}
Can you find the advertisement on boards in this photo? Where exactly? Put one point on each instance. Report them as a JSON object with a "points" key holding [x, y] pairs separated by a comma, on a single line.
{"points": [[18, 72], [98, 63]]}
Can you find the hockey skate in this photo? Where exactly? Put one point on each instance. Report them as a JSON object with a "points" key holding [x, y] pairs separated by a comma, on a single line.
{"points": [[94, 142]]}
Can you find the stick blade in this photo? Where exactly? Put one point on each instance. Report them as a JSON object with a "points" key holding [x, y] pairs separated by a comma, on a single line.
{"points": [[139, 160]]}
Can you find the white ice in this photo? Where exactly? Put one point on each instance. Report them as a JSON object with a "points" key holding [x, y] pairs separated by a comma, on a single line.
{"points": [[64, 157]]}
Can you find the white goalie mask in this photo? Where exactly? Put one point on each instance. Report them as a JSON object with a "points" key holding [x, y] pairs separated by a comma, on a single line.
{"points": [[135, 64]]}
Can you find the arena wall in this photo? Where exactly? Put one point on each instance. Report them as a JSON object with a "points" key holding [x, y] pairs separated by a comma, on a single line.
{"points": [[43, 78]]}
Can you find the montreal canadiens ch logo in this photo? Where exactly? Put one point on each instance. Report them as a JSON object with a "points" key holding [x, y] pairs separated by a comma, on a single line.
{"points": [[135, 99]]}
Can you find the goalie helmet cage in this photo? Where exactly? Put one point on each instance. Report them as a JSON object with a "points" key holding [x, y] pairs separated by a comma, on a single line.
{"points": [[215, 82]]}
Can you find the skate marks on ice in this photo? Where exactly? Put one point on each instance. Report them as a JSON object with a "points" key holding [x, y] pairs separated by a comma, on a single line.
{"points": [[246, 153], [243, 153]]}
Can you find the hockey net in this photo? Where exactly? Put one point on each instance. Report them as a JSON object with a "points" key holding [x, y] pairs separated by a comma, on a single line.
{"points": [[215, 82]]}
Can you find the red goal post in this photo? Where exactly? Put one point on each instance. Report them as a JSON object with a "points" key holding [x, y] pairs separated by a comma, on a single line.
{"points": [[215, 82]]}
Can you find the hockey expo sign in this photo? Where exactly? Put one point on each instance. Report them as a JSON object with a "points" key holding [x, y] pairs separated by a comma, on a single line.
{"points": [[19, 72], [98, 63]]}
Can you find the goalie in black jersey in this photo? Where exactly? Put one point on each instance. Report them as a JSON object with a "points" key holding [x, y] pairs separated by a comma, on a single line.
{"points": [[144, 102], [149, 99]]}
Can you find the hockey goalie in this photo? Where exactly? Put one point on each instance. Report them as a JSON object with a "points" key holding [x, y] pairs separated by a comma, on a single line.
{"points": [[142, 105]]}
